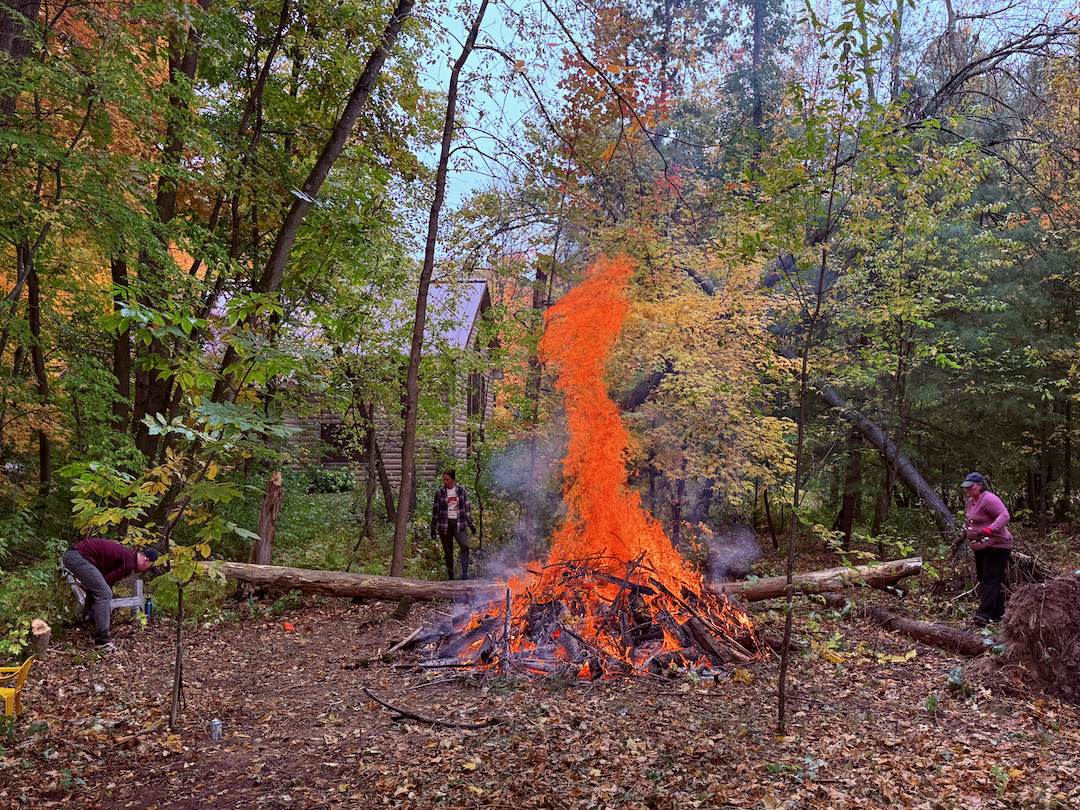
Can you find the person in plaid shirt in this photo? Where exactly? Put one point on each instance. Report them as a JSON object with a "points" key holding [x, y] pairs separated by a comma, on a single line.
{"points": [[450, 515]]}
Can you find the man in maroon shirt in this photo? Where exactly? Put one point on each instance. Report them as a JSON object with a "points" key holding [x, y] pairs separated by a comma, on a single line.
{"points": [[99, 564]]}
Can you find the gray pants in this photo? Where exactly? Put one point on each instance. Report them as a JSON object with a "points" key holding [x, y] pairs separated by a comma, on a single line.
{"points": [[448, 550], [96, 587]]}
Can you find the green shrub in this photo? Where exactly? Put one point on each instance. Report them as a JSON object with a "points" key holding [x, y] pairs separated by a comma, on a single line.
{"points": [[25, 595], [331, 479]]}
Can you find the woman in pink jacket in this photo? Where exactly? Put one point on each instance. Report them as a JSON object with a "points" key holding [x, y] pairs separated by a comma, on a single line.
{"points": [[992, 544]]}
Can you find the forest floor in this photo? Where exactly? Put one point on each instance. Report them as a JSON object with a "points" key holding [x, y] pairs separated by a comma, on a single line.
{"points": [[872, 724]]}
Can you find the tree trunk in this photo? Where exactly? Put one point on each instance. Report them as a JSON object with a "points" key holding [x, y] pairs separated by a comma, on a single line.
{"points": [[852, 479], [881, 575], [121, 406], [1064, 504], [178, 661], [274, 270], [903, 466], [941, 636], [370, 586], [40, 638], [154, 389], [37, 356], [756, 48], [677, 492], [769, 520], [263, 548], [337, 583], [371, 472], [15, 17], [385, 485], [412, 376]]}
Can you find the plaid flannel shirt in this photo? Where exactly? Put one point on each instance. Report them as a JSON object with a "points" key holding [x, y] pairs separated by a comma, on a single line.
{"points": [[440, 512]]}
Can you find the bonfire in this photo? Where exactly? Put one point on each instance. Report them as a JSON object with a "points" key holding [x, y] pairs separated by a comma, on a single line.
{"points": [[614, 596]]}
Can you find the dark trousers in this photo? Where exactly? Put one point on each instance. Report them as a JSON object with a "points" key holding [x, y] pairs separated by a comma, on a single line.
{"points": [[990, 565], [448, 549], [97, 589]]}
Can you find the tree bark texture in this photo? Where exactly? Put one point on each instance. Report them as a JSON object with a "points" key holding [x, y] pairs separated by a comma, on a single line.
{"points": [[831, 579], [941, 636], [338, 583], [263, 548], [121, 351], [40, 638], [412, 375], [16, 16], [37, 355]]}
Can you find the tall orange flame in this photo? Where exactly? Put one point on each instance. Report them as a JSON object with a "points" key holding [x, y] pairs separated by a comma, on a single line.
{"points": [[605, 522]]}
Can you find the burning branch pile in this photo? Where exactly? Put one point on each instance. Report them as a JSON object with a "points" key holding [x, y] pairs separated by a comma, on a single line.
{"points": [[614, 597]]}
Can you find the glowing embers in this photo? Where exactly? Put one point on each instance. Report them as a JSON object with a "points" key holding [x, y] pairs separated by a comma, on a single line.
{"points": [[575, 619]]}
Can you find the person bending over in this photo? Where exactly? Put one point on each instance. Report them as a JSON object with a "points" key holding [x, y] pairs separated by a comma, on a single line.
{"points": [[99, 564]]}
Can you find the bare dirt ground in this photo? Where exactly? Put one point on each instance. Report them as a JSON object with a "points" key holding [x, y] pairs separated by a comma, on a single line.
{"points": [[873, 724]]}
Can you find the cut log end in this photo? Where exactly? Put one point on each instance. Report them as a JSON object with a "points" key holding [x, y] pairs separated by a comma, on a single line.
{"points": [[40, 639]]}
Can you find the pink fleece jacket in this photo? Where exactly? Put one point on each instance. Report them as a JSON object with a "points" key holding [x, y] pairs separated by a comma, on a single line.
{"points": [[987, 510]]}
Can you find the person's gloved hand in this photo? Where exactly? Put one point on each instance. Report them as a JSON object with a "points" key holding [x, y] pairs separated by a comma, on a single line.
{"points": [[472, 530], [986, 532]]}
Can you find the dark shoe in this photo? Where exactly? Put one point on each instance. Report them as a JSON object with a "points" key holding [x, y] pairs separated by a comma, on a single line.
{"points": [[981, 621]]}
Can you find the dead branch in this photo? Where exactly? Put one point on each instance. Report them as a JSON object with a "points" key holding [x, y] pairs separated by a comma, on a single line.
{"points": [[403, 714]]}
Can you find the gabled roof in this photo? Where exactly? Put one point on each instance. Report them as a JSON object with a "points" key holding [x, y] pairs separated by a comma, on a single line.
{"points": [[457, 306]]}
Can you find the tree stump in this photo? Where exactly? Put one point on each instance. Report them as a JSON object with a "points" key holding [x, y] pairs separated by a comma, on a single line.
{"points": [[263, 548], [40, 638]]}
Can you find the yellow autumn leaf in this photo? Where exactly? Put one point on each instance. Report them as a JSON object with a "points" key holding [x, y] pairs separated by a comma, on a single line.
{"points": [[743, 676], [470, 766], [833, 656]]}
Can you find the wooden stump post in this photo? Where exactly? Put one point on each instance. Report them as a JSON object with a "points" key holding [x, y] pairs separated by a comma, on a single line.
{"points": [[263, 548], [40, 638]]}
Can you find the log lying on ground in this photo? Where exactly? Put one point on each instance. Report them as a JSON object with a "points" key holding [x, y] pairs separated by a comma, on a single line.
{"points": [[339, 583], [881, 575], [942, 636]]}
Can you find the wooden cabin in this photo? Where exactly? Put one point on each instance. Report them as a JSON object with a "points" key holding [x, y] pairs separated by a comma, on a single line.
{"points": [[456, 313]]}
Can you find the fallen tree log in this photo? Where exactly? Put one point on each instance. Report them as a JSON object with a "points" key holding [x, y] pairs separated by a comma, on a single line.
{"points": [[881, 575], [942, 636], [339, 583]]}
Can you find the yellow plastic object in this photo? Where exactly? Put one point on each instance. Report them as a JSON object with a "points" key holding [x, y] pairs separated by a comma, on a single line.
{"points": [[10, 695]]}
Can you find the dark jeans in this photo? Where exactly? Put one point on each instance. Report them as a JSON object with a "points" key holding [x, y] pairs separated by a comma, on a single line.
{"points": [[96, 589], [990, 565], [448, 549]]}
